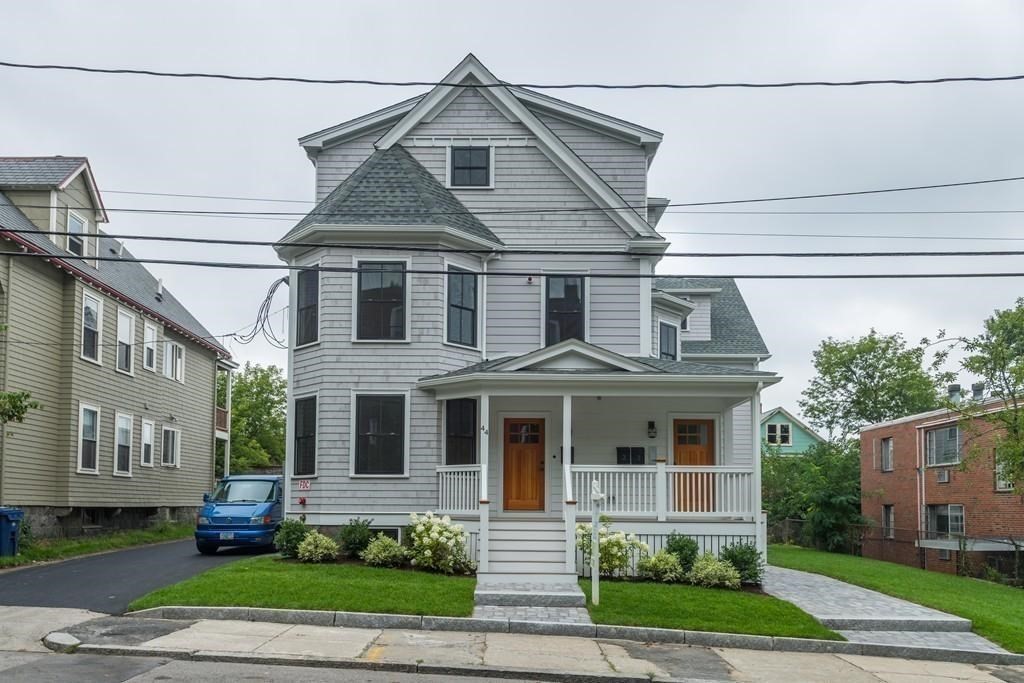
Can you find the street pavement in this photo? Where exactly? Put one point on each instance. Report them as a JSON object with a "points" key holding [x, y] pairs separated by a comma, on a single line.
{"points": [[108, 582]]}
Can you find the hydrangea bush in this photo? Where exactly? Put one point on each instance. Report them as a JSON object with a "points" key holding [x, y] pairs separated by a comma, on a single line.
{"points": [[316, 547], [438, 545], [384, 551], [616, 549]]}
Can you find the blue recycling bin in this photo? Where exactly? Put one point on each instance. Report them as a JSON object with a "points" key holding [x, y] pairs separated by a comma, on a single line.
{"points": [[10, 530]]}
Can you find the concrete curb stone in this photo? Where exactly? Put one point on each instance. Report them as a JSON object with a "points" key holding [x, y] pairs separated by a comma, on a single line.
{"points": [[149, 613], [708, 639], [300, 660], [551, 628], [374, 620], [641, 633], [58, 641], [465, 624], [132, 651], [292, 616], [952, 625], [528, 674], [838, 647]]}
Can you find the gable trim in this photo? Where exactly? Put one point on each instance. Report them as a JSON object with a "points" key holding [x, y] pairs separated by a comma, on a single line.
{"points": [[793, 419], [576, 346], [90, 184]]}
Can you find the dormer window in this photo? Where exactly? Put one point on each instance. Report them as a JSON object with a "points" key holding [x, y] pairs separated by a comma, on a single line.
{"points": [[469, 167], [76, 233]]}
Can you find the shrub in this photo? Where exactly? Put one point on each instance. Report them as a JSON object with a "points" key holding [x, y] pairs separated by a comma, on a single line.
{"points": [[288, 537], [25, 538], [684, 548], [355, 536], [316, 547], [384, 551], [615, 547], [710, 572], [438, 545], [747, 560], [661, 566]]}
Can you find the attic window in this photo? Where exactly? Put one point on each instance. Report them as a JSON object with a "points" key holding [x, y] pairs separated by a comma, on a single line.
{"points": [[470, 167], [77, 228]]}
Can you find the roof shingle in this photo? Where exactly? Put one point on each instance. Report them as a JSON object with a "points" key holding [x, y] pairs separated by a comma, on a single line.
{"points": [[24, 172], [733, 330]]}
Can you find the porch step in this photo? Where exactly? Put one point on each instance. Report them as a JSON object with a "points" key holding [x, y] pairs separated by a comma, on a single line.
{"points": [[532, 555], [525, 566], [528, 544], [541, 524], [530, 595], [485, 581], [526, 536]]}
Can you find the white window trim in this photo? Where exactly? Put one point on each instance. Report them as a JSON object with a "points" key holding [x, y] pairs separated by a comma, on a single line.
{"points": [[85, 233], [98, 360], [142, 443], [82, 407], [778, 434], [684, 322], [294, 327], [959, 454], [1000, 485], [665, 321], [177, 447], [881, 454], [147, 326], [354, 396], [479, 318], [448, 166], [131, 346], [316, 441], [357, 260], [169, 357], [544, 303], [131, 438]]}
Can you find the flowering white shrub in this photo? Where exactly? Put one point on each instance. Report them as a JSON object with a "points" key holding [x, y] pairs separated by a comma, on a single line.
{"points": [[616, 547], [438, 545], [316, 547]]}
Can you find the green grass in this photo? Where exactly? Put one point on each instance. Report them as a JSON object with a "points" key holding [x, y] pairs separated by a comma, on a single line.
{"points": [[42, 550], [701, 609], [272, 582], [997, 611]]}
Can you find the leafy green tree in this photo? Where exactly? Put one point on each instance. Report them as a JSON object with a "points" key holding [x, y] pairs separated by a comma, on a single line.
{"points": [[258, 416], [871, 379]]}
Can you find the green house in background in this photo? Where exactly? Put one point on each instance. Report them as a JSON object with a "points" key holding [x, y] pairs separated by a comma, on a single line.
{"points": [[782, 430]]}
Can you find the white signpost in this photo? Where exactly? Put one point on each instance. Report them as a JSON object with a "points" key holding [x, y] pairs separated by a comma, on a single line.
{"points": [[596, 498]]}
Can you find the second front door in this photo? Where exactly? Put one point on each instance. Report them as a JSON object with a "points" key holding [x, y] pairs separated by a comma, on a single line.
{"points": [[524, 464]]}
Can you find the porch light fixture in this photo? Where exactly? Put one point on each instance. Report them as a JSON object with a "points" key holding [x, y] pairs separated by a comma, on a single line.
{"points": [[652, 430]]}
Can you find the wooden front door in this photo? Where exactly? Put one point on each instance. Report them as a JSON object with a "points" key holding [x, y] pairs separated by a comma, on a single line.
{"points": [[693, 445], [524, 464]]}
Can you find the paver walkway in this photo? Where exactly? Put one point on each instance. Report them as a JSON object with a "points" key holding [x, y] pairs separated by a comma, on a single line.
{"points": [[555, 603], [866, 616]]}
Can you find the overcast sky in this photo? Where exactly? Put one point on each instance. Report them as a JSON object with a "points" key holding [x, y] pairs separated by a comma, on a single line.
{"points": [[211, 137]]}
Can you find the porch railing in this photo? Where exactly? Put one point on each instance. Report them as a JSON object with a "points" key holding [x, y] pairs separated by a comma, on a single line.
{"points": [[664, 491], [458, 488], [221, 419]]}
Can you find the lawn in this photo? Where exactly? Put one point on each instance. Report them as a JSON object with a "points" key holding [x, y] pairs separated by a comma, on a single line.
{"points": [[997, 611], [272, 582], [42, 550], [701, 609]]}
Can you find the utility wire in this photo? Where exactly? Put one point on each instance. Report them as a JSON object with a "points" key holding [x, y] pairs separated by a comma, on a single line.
{"points": [[503, 84]]}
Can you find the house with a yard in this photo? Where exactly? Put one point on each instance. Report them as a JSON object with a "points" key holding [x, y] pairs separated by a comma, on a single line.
{"points": [[932, 490], [125, 375], [784, 433], [477, 330]]}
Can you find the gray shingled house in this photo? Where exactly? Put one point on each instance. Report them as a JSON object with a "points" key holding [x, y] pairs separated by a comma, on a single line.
{"points": [[125, 374], [496, 386]]}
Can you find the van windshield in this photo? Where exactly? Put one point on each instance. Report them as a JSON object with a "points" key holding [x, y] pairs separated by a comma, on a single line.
{"points": [[243, 491]]}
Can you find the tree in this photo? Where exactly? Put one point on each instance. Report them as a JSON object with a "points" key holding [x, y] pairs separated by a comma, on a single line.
{"points": [[871, 379], [258, 416]]}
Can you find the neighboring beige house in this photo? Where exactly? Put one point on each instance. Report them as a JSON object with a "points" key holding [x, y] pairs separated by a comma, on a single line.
{"points": [[125, 374]]}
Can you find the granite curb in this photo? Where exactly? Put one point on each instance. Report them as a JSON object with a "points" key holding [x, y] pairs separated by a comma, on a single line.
{"points": [[951, 625], [634, 633]]}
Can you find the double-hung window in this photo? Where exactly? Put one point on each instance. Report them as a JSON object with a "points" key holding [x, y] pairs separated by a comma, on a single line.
{"points": [[942, 446], [149, 347], [77, 229], [886, 454], [305, 437], [946, 520], [668, 341], [565, 309], [462, 304], [888, 521], [470, 167], [146, 454], [170, 452], [174, 361], [307, 296], [123, 428], [629, 455], [92, 327], [125, 341], [381, 301], [460, 431], [380, 435], [88, 438], [1002, 482], [779, 434]]}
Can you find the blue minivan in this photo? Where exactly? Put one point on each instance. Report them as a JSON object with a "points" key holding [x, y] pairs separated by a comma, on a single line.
{"points": [[244, 510]]}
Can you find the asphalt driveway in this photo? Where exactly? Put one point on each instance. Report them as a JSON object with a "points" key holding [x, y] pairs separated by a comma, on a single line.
{"points": [[108, 582]]}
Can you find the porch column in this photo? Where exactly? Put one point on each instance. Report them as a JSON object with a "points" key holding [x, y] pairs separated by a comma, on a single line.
{"points": [[227, 407], [755, 432], [485, 504], [661, 488], [569, 506]]}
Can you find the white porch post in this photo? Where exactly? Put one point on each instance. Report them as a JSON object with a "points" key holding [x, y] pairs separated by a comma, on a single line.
{"points": [[661, 488], [227, 407], [755, 433], [569, 506], [485, 504]]}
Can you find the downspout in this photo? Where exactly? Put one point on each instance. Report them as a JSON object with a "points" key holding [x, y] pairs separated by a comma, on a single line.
{"points": [[483, 303], [919, 473]]}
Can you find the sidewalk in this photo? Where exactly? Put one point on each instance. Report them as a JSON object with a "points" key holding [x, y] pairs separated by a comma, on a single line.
{"points": [[498, 655]]}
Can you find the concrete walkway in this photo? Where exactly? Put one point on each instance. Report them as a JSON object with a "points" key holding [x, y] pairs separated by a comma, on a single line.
{"points": [[866, 616]]}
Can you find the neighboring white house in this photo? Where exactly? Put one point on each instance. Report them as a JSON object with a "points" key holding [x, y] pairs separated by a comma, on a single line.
{"points": [[496, 386]]}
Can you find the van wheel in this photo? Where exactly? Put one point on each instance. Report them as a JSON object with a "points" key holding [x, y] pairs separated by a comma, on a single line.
{"points": [[206, 548]]}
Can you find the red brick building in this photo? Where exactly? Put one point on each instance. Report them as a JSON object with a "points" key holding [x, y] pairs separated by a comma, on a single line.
{"points": [[925, 506]]}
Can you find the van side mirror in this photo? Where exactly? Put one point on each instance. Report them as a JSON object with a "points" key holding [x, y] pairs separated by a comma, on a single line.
{"points": [[206, 497]]}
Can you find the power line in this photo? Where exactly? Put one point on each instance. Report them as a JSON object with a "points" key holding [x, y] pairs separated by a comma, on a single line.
{"points": [[538, 86]]}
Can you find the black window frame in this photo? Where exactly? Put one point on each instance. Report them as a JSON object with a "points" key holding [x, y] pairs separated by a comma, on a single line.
{"points": [[307, 314], [466, 169], [630, 455], [460, 431], [662, 326], [366, 404], [458, 310], [564, 312], [364, 302], [304, 438]]}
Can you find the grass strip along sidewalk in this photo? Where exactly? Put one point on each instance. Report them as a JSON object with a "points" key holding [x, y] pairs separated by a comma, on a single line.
{"points": [[42, 550], [997, 611]]}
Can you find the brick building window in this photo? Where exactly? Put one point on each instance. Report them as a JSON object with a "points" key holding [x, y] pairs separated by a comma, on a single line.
{"points": [[945, 521], [942, 446], [888, 521], [1002, 484], [886, 454]]}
